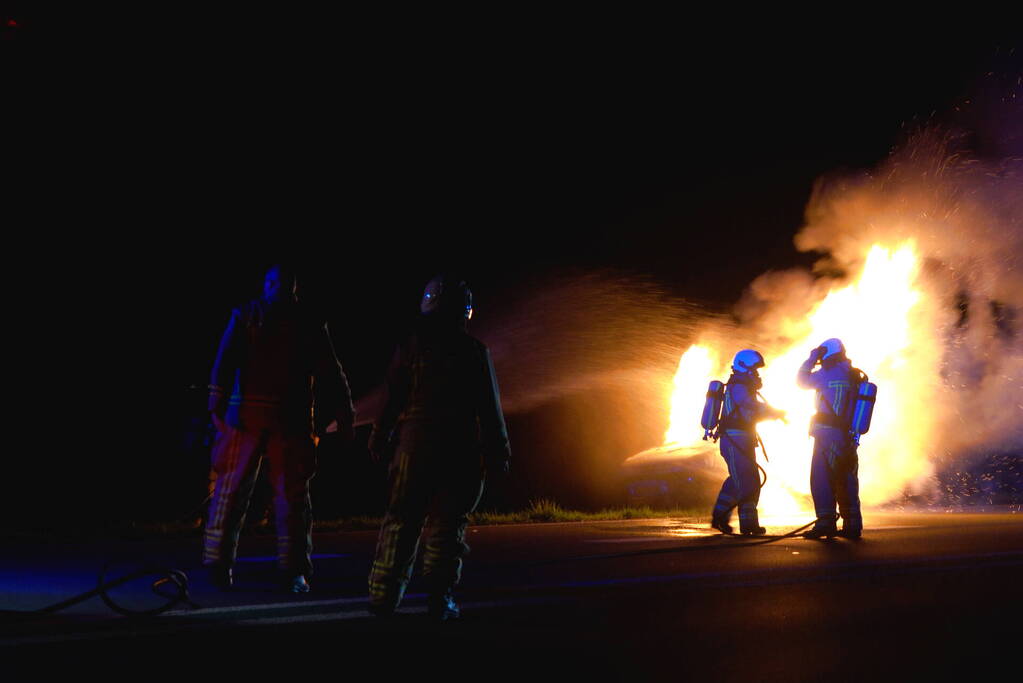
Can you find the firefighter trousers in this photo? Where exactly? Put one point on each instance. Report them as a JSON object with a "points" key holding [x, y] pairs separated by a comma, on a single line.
{"points": [[834, 478], [237, 457], [433, 485], [742, 487]]}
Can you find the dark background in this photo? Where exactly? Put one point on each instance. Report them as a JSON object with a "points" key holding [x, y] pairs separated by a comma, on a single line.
{"points": [[163, 161]]}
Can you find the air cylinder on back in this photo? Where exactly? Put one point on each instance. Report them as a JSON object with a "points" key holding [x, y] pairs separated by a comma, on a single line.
{"points": [[712, 407], [863, 409]]}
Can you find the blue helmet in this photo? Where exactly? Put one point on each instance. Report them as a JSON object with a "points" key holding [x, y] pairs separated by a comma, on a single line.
{"points": [[832, 347], [747, 361]]}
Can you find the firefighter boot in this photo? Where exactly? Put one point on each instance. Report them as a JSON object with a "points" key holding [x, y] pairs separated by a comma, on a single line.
{"points": [[822, 528], [749, 524], [442, 607], [384, 608], [297, 584], [385, 595], [720, 522], [852, 525]]}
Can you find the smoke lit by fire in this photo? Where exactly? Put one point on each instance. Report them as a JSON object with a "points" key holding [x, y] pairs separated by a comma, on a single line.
{"points": [[922, 281]]}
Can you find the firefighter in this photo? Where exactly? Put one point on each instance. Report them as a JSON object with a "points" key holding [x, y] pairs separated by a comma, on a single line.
{"points": [[834, 467], [738, 438], [276, 386], [442, 431]]}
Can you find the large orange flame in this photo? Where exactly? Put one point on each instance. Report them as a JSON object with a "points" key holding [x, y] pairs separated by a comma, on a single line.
{"points": [[888, 334]]}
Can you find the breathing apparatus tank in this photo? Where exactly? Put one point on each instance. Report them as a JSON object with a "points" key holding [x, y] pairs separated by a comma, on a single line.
{"points": [[712, 408], [863, 409]]}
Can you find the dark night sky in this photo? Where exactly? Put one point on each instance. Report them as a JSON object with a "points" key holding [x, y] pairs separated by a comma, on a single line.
{"points": [[168, 159]]}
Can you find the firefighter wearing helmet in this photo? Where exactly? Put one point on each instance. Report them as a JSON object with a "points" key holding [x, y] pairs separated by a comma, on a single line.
{"points": [[834, 467], [738, 438], [441, 431]]}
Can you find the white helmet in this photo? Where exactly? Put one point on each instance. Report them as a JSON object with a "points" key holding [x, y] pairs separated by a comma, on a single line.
{"points": [[832, 347], [747, 360]]}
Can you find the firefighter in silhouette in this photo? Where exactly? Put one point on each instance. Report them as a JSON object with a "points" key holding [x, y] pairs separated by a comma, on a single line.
{"points": [[276, 386], [441, 430], [738, 439], [835, 464]]}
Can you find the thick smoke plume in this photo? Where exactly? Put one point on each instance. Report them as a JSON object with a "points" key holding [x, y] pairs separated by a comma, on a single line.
{"points": [[965, 218]]}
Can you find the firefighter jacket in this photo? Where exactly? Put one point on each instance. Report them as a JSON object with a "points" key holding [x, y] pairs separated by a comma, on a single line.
{"points": [[836, 383], [441, 385], [276, 369], [742, 410]]}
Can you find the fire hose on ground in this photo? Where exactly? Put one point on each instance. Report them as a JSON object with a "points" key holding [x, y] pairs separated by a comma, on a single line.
{"points": [[171, 585]]}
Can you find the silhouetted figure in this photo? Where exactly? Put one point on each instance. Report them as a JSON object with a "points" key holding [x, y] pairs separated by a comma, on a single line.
{"points": [[442, 429], [276, 386]]}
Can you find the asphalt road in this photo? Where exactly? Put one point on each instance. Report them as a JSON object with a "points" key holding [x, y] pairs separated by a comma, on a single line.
{"points": [[923, 596]]}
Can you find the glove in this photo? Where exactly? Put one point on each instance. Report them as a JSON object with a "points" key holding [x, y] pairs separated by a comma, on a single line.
{"points": [[817, 354], [343, 427]]}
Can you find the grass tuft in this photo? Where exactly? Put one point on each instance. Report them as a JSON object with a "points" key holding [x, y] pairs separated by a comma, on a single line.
{"points": [[541, 510], [546, 510]]}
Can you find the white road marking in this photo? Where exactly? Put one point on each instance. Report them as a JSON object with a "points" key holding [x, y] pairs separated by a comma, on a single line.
{"points": [[267, 606], [174, 628]]}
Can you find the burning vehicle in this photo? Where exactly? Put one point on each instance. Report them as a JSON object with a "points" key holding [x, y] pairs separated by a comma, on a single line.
{"points": [[674, 476]]}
